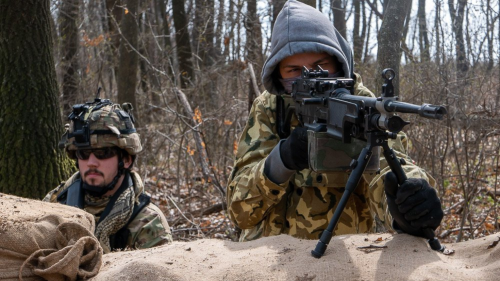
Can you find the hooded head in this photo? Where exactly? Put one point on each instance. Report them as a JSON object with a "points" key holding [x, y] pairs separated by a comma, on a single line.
{"points": [[300, 28]]}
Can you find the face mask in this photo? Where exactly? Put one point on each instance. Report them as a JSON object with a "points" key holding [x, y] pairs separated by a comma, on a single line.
{"points": [[288, 82]]}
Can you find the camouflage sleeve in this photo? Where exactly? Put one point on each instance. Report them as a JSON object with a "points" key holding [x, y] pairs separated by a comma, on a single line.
{"points": [[359, 87], [250, 192], [149, 229], [52, 195]]}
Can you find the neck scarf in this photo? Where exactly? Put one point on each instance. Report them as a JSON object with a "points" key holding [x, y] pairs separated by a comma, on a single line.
{"points": [[119, 214]]}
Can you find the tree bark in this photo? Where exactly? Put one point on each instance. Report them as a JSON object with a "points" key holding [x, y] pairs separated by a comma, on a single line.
{"points": [[491, 27], [437, 31], [183, 45], [30, 117], [390, 38], [277, 6], [68, 31], [457, 20], [203, 32], [114, 15], [218, 31], [339, 17], [366, 56], [356, 37], [167, 43], [311, 3], [254, 37], [423, 38], [129, 59]]}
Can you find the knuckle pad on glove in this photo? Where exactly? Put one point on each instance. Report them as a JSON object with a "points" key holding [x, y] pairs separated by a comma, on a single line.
{"points": [[408, 188], [416, 213], [411, 203]]}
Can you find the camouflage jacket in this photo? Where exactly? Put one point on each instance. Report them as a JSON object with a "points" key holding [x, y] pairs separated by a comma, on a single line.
{"points": [[303, 205], [148, 229]]}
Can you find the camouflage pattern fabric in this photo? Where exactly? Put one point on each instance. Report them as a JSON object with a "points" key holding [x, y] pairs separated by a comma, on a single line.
{"points": [[148, 229], [303, 206], [118, 217], [109, 121]]}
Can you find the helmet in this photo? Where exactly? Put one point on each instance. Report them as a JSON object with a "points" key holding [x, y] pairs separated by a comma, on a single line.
{"points": [[101, 124]]}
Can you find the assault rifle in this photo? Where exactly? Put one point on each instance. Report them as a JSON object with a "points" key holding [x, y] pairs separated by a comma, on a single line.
{"points": [[328, 105]]}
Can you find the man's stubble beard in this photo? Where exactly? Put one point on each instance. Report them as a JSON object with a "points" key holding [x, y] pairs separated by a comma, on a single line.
{"points": [[93, 181]]}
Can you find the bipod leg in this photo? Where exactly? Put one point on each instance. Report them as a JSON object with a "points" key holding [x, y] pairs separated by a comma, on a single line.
{"points": [[396, 168], [359, 167]]}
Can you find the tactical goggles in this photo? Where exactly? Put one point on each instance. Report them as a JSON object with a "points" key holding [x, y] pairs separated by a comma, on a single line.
{"points": [[99, 153]]}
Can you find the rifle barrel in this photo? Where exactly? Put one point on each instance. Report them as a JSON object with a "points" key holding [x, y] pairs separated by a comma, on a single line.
{"points": [[425, 110]]}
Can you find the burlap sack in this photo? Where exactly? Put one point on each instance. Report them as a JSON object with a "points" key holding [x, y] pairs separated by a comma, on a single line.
{"points": [[40, 240]]}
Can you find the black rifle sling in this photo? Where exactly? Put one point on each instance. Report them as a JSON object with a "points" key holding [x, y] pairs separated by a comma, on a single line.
{"points": [[120, 238], [73, 195], [284, 113]]}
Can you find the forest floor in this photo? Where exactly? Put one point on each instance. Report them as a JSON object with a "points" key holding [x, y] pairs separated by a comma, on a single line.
{"points": [[197, 210]]}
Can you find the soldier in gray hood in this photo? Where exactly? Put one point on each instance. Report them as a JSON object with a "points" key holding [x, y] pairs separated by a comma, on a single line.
{"points": [[271, 189], [299, 28]]}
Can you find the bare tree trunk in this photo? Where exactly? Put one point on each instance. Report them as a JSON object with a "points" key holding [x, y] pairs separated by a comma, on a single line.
{"points": [[129, 59], [30, 118], [356, 37], [497, 100], [390, 38], [457, 20], [366, 56], [237, 42], [68, 31], [311, 3], [339, 17], [218, 30], [114, 12], [490, 31], [437, 20], [229, 36], [143, 47], [423, 39], [277, 6], [203, 32], [253, 45], [167, 43], [254, 37], [183, 44]]}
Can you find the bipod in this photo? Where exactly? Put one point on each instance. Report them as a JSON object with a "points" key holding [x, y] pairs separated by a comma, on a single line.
{"points": [[376, 138]]}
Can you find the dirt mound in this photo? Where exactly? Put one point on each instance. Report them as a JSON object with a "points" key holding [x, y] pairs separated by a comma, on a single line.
{"points": [[42, 236], [394, 257]]}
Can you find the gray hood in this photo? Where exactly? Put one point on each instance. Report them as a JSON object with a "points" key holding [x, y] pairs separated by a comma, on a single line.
{"points": [[300, 28]]}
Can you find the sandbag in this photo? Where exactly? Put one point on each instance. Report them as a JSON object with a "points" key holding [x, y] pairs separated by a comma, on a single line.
{"points": [[40, 240], [348, 257]]}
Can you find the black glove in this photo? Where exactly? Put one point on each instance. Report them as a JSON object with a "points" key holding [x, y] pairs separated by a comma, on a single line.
{"points": [[293, 150], [414, 206]]}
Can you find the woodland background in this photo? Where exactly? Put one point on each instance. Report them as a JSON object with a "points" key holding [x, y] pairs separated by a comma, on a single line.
{"points": [[191, 68]]}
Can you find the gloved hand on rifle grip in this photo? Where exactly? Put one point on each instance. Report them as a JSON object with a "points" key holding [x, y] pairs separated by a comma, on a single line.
{"points": [[414, 205], [293, 150]]}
